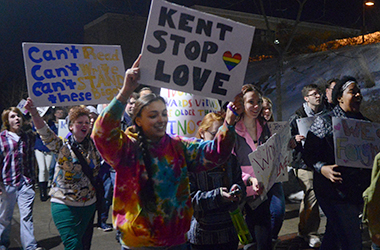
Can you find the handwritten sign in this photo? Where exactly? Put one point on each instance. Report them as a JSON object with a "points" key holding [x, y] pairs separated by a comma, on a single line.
{"points": [[186, 111], [270, 160], [356, 142], [72, 74], [194, 52], [276, 127]]}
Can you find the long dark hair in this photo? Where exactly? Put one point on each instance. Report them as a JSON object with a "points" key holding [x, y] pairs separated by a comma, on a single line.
{"points": [[147, 195]]}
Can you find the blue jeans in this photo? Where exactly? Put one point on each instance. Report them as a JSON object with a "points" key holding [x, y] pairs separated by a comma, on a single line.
{"points": [[24, 196], [343, 225], [108, 178], [276, 198], [259, 224]]}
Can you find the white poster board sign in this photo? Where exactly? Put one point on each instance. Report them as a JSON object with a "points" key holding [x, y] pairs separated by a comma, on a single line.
{"points": [[186, 111], [63, 128], [270, 160], [304, 124], [194, 52], [356, 142], [72, 74]]}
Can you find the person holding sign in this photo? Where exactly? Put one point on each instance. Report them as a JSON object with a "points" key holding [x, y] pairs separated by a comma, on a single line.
{"points": [[338, 188], [73, 194], [211, 226], [16, 179], [309, 218], [152, 203], [253, 131]]}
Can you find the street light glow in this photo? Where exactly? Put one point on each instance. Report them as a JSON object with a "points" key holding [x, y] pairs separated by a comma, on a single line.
{"points": [[369, 3]]}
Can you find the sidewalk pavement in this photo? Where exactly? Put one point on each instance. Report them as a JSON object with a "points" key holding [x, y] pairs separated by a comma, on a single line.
{"points": [[47, 235]]}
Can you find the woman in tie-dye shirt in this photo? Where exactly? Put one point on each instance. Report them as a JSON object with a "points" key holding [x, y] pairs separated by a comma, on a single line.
{"points": [[152, 206]]}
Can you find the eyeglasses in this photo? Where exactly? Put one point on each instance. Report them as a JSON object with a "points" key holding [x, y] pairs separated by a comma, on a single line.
{"points": [[315, 94]]}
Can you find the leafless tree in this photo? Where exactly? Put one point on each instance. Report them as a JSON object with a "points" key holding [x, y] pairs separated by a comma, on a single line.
{"points": [[281, 50]]}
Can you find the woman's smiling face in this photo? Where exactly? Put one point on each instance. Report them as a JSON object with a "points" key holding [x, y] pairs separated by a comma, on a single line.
{"points": [[252, 104], [153, 120]]}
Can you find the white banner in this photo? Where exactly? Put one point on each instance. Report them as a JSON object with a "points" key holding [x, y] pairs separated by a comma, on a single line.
{"points": [[72, 74], [194, 52]]}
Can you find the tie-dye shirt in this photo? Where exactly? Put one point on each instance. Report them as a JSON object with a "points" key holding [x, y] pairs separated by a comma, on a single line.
{"points": [[172, 158]]}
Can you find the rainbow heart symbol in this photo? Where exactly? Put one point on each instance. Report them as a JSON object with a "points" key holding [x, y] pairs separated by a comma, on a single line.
{"points": [[337, 127], [231, 61]]}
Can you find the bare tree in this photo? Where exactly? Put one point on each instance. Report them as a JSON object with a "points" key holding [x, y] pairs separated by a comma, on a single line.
{"points": [[281, 50]]}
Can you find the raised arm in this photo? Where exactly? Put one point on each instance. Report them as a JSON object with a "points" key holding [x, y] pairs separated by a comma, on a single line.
{"points": [[37, 119], [107, 135]]}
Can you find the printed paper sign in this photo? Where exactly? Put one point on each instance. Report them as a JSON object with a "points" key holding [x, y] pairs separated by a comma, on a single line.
{"points": [[194, 52], [357, 142], [63, 129], [21, 106], [270, 160], [186, 111], [72, 74]]}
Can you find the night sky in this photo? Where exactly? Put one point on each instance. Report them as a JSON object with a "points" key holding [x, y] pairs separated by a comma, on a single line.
{"points": [[62, 21]]}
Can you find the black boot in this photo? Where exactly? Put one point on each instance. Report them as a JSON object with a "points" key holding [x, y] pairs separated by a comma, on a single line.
{"points": [[44, 191]]}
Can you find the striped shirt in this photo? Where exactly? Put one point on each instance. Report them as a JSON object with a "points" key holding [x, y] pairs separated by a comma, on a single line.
{"points": [[16, 158]]}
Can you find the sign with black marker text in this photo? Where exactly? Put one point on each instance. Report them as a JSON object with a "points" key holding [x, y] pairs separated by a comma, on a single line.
{"points": [[194, 52]]}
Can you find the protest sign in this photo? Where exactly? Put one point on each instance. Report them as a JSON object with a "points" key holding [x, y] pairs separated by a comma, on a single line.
{"points": [[276, 127], [186, 111], [304, 124], [72, 74], [21, 106], [63, 128], [194, 52], [270, 160], [41, 110], [356, 142]]}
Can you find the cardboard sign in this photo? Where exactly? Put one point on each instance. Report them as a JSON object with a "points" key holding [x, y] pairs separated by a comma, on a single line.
{"points": [[270, 160], [72, 74], [186, 111], [356, 142], [194, 52]]}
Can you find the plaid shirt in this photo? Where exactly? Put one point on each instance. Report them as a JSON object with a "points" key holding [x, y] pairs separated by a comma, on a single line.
{"points": [[16, 158]]}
